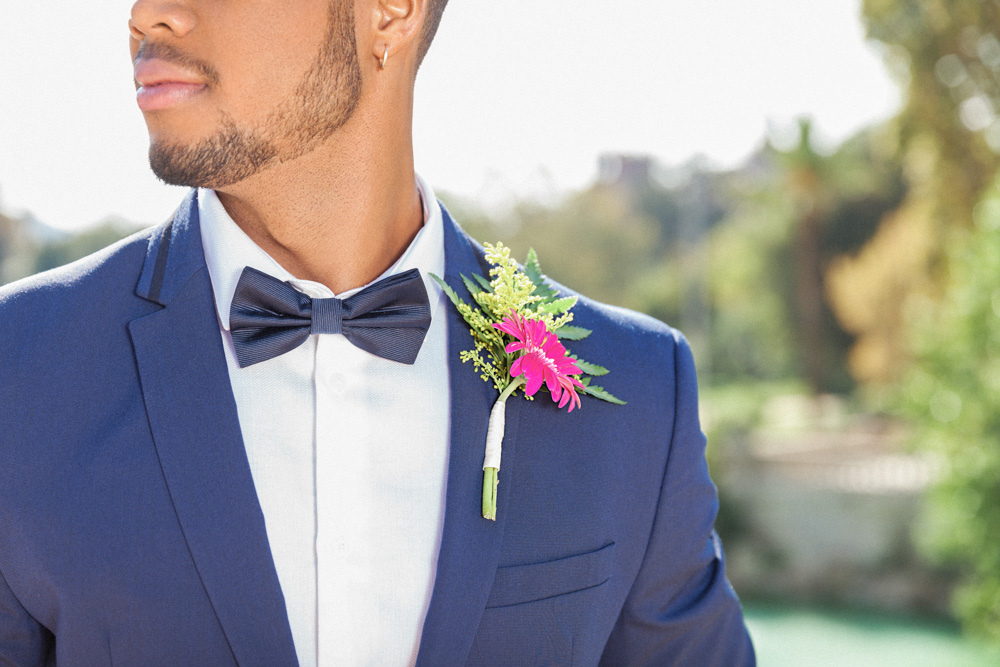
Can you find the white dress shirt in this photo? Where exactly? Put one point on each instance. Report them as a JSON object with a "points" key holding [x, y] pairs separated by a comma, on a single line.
{"points": [[349, 456]]}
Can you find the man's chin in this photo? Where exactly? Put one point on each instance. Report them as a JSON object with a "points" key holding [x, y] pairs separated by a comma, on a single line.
{"points": [[213, 163], [174, 166]]}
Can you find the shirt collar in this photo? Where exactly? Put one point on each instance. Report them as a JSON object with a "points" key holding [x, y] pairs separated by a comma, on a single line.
{"points": [[228, 250]]}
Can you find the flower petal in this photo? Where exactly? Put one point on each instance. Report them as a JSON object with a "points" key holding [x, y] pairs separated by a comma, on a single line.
{"points": [[553, 347], [552, 382], [509, 329], [566, 396], [534, 371], [534, 383], [536, 331], [567, 367]]}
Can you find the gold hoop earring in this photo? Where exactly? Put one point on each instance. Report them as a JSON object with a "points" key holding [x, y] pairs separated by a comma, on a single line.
{"points": [[385, 57]]}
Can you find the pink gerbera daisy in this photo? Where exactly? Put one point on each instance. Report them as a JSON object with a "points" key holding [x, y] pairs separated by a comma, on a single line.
{"points": [[543, 359]]}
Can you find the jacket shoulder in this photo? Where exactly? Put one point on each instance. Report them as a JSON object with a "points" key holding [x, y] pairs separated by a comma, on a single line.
{"points": [[622, 329], [71, 296], [644, 356], [629, 323], [126, 254]]}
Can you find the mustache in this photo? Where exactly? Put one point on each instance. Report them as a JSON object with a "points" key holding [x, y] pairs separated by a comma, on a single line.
{"points": [[168, 53]]}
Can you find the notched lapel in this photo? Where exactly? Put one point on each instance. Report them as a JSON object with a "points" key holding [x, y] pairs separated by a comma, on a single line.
{"points": [[195, 427], [470, 545]]}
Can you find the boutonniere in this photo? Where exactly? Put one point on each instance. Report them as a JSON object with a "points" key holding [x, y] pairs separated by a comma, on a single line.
{"points": [[518, 324]]}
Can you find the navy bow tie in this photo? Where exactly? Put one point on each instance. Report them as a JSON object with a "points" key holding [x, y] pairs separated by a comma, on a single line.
{"points": [[269, 317]]}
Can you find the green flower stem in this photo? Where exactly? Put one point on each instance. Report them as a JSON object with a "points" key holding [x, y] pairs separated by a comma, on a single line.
{"points": [[491, 475], [490, 481], [511, 388]]}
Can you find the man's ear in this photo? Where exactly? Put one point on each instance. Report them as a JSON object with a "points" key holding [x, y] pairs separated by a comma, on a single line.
{"points": [[397, 28]]}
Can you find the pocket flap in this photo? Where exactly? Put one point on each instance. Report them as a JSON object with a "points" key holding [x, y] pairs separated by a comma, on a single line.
{"points": [[517, 584]]}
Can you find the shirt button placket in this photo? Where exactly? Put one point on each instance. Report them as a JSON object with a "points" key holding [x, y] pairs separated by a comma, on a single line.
{"points": [[343, 502]]}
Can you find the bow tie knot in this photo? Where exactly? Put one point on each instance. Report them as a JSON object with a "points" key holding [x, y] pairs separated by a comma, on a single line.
{"points": [[327, 316], [269, 317]]}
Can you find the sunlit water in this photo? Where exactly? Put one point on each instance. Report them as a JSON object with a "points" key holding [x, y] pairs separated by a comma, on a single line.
{"points": [[811, 637]]}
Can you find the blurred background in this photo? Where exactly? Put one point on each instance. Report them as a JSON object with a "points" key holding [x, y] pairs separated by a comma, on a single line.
{"points": [[809, 190]]}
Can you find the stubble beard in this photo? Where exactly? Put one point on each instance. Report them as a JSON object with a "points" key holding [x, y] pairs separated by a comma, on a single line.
{"points": [[323, 101]]}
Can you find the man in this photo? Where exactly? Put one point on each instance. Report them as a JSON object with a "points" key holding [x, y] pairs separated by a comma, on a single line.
{"points": [[177, 491]]}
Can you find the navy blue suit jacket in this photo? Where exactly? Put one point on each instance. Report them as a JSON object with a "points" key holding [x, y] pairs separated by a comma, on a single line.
{"points": [[130, 532]]}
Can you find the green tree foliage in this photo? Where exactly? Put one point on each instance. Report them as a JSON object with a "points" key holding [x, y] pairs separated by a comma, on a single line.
{"points": [[946, 54], [793, 214], [17, 249], [71, 248], [933, 271], [25, 250], [600, 242], [752, 336], [736, 259], [952, 395], [7, 226]]}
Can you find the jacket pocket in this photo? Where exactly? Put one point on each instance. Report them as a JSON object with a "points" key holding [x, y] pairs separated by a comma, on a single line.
{"points": [[517, 584]]}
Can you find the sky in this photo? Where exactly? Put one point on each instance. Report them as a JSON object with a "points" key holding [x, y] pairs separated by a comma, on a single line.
{"points": [[516, 98]]}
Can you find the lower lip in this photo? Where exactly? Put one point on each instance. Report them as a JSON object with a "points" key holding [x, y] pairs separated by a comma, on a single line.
{"points": [[166, 95]]}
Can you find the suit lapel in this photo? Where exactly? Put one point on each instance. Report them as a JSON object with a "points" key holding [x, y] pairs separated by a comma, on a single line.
{"points": [[196, 431], [470, 545]]}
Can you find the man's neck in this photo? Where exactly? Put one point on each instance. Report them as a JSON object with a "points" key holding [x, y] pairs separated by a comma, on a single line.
{"points": [[338, 215]]}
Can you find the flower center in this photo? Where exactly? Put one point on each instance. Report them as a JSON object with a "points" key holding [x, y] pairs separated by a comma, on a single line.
{"points": [[535, 348]]}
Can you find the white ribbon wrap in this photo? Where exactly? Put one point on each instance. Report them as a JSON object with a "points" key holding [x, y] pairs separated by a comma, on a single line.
{"points": [[494, 435]]}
